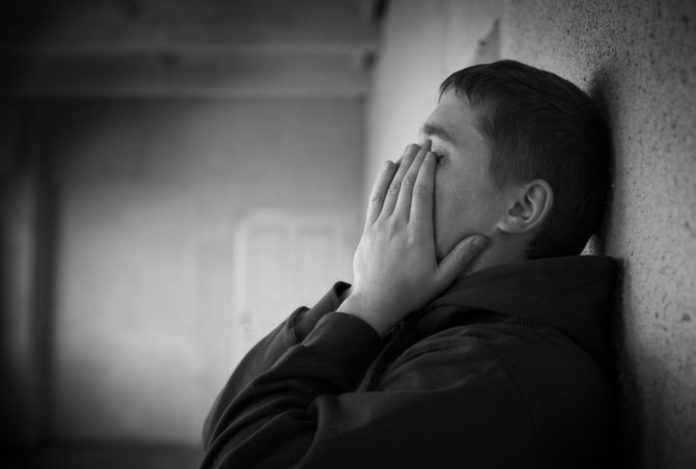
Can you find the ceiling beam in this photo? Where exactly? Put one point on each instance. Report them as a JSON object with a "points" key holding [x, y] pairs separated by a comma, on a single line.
{"points": [[158, 75], [241, 48], [191, 49], [146, 24]]}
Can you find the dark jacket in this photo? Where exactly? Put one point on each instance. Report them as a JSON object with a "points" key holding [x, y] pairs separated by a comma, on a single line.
{"points": [[507, 368]]}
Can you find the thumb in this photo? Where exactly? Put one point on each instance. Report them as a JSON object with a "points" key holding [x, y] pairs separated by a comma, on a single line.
{"points": [[459, 258]]}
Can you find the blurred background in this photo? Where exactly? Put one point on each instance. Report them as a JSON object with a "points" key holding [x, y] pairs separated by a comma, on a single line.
{"points": [[177, 176]]}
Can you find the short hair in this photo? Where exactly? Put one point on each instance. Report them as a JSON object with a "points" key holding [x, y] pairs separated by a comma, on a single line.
{"points": [[540, 125]]}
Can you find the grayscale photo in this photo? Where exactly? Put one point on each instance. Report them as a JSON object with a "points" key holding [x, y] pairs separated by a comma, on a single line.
{"points": [[347, 234]]}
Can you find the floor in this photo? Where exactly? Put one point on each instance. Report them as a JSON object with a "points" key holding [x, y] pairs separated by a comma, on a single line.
{"points": [[95, 456]]}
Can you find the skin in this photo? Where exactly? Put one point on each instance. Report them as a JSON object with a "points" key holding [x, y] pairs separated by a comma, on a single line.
{"points": [[467, 199], [431, 215], [395, 267]]}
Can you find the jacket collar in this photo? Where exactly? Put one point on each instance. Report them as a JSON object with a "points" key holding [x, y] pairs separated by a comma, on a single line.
{"points": [[571, 294]]}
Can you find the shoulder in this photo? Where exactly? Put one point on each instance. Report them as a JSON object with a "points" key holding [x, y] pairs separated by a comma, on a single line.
{"points": [[518, 349], [524, 375], [464, 387]]}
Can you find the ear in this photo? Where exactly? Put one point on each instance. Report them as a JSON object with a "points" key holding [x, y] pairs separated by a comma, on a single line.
{"points": [[530, 203]]}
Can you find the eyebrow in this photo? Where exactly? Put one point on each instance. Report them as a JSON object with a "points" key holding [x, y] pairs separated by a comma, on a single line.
{"points": [[433, 129]]}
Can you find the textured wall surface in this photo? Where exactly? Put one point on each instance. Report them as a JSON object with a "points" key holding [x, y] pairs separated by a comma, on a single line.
{"points": [[639, 59]]}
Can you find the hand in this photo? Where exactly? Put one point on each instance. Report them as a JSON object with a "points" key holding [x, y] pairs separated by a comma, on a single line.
{"points": [[395, 268]]}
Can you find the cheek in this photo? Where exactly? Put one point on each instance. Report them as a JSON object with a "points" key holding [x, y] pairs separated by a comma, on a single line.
{"points": [[451, 193], [440, 195], [451, 212], [463, 204]]}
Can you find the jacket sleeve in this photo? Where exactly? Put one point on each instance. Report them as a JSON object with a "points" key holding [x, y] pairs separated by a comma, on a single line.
{"points": [[267, 351], [303, 411]]}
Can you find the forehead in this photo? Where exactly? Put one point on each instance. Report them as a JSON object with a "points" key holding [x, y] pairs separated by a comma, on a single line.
{"points": [[456, 117]]}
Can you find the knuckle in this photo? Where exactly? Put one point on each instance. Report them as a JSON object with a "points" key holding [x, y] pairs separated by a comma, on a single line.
{"points": [[392, 225], [409, 180], [421, 191], [394, 188], [398, 225]]}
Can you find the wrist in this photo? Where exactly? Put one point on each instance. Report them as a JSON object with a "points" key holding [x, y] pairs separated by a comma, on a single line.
{"points": [[355, 305]]}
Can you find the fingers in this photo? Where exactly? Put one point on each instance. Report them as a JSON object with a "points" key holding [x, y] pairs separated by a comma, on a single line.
{"points": [[422, 199], [406, 193], [379, 191], [459, 259], [392, 195]]}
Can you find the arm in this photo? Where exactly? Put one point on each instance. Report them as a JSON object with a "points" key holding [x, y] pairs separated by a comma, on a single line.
{"points": [[269, 349], [267, 423], [303, 412]]}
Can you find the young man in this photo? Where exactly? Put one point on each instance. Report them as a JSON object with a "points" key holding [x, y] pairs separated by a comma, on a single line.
{"points": [[473, 333]]}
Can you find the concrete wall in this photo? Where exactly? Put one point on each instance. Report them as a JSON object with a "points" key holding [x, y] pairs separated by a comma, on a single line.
{"points": [[639, 59]]}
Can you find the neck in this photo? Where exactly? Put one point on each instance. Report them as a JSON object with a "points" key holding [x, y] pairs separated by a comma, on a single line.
{"points": [[500, 250]]}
